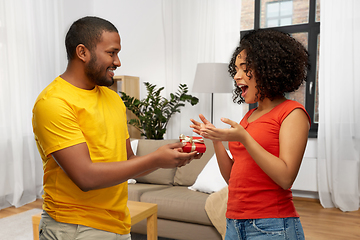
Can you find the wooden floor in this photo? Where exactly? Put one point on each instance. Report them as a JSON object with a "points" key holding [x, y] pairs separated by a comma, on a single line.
{"points": [[318, 223], [12, 210], [327, 223]]}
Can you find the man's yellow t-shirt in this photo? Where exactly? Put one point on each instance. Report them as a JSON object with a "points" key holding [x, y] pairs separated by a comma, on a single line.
{"points": [[63, 116]]}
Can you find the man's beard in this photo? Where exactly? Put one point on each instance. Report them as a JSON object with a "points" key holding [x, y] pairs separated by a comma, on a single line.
{"points": [[93, 72]]}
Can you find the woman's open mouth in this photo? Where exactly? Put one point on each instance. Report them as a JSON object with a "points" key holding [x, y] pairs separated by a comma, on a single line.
{"points": [[244, 89]]}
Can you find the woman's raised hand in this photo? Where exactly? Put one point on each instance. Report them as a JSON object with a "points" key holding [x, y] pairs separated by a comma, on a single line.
{"points": [[198, 127], [207, 130]]}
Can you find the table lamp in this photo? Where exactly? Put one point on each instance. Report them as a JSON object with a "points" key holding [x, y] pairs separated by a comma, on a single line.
{"points": [[212, 78]]}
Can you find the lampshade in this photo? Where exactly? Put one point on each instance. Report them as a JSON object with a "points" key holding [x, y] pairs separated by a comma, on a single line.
{"points": [[212, 78]]}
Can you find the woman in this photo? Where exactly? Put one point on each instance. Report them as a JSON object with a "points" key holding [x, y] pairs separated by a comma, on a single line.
{"points": [[268, 144]]}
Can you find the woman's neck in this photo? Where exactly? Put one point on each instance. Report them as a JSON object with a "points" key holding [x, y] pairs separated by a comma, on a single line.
{"points": [[267, 104]]}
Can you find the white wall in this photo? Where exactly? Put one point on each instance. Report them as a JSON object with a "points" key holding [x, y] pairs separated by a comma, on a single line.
{"points": [[305, 184], [139, 23], [142, 38], [72, 10], [143, 52]]}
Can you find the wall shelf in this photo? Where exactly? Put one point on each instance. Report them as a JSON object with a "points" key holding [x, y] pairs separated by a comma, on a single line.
{"points": [[130, 86]]}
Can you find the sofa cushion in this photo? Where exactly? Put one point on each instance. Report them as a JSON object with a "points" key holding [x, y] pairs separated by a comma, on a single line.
{"points": [[170, 230], [186, 176], [178, 203], [136, 190], [160, 176]]}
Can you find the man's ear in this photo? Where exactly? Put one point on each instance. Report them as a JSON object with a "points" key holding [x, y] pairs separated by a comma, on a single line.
{"points": [[82, 52]]}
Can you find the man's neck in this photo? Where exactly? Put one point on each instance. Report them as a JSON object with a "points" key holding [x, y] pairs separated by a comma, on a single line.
{"points": [[77, 78]]}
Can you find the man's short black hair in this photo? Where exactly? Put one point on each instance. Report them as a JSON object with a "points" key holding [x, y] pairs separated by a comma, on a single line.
{"points": [[87, 31]]}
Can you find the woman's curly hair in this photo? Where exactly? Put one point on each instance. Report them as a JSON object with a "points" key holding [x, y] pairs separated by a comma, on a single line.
{"points": [[278, 62]]}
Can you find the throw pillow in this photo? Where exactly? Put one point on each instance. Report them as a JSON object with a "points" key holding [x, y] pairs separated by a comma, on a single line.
{"points": [[134, 145], [210, 179]]}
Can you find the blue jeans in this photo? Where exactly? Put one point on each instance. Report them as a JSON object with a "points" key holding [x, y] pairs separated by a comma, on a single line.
{"points": [[265, 228]]}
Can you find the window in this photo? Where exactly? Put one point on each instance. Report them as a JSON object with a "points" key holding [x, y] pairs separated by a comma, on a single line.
{"points": [[279, 13], [301, 19]]}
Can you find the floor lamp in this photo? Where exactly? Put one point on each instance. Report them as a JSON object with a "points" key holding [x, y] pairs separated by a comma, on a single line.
{"points": [[212, 78]]}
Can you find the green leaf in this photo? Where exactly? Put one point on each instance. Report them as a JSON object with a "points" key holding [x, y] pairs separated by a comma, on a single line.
{"points": [[154, 111]]}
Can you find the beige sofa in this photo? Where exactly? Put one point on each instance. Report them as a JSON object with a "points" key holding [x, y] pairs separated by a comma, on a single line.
{"points": [[182, 213]]}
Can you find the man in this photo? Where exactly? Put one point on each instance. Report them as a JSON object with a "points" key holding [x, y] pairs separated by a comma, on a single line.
{"points": [[81, 133]]}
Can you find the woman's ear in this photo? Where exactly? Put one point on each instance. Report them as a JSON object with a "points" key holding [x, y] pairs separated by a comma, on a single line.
{"points": [[82, 53]]}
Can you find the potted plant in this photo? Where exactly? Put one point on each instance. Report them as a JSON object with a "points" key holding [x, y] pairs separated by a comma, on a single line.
{"points": [[154, 112]]}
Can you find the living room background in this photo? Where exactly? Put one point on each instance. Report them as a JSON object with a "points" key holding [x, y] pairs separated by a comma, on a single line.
{"points": [[157, 45]]}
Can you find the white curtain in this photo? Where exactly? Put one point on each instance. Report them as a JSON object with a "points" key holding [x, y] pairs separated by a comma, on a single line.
{"points": [[339, 105], [198, 31], [29, 60]]}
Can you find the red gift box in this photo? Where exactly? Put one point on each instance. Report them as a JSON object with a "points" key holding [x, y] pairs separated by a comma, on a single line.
{"points": [[193, 144]]}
